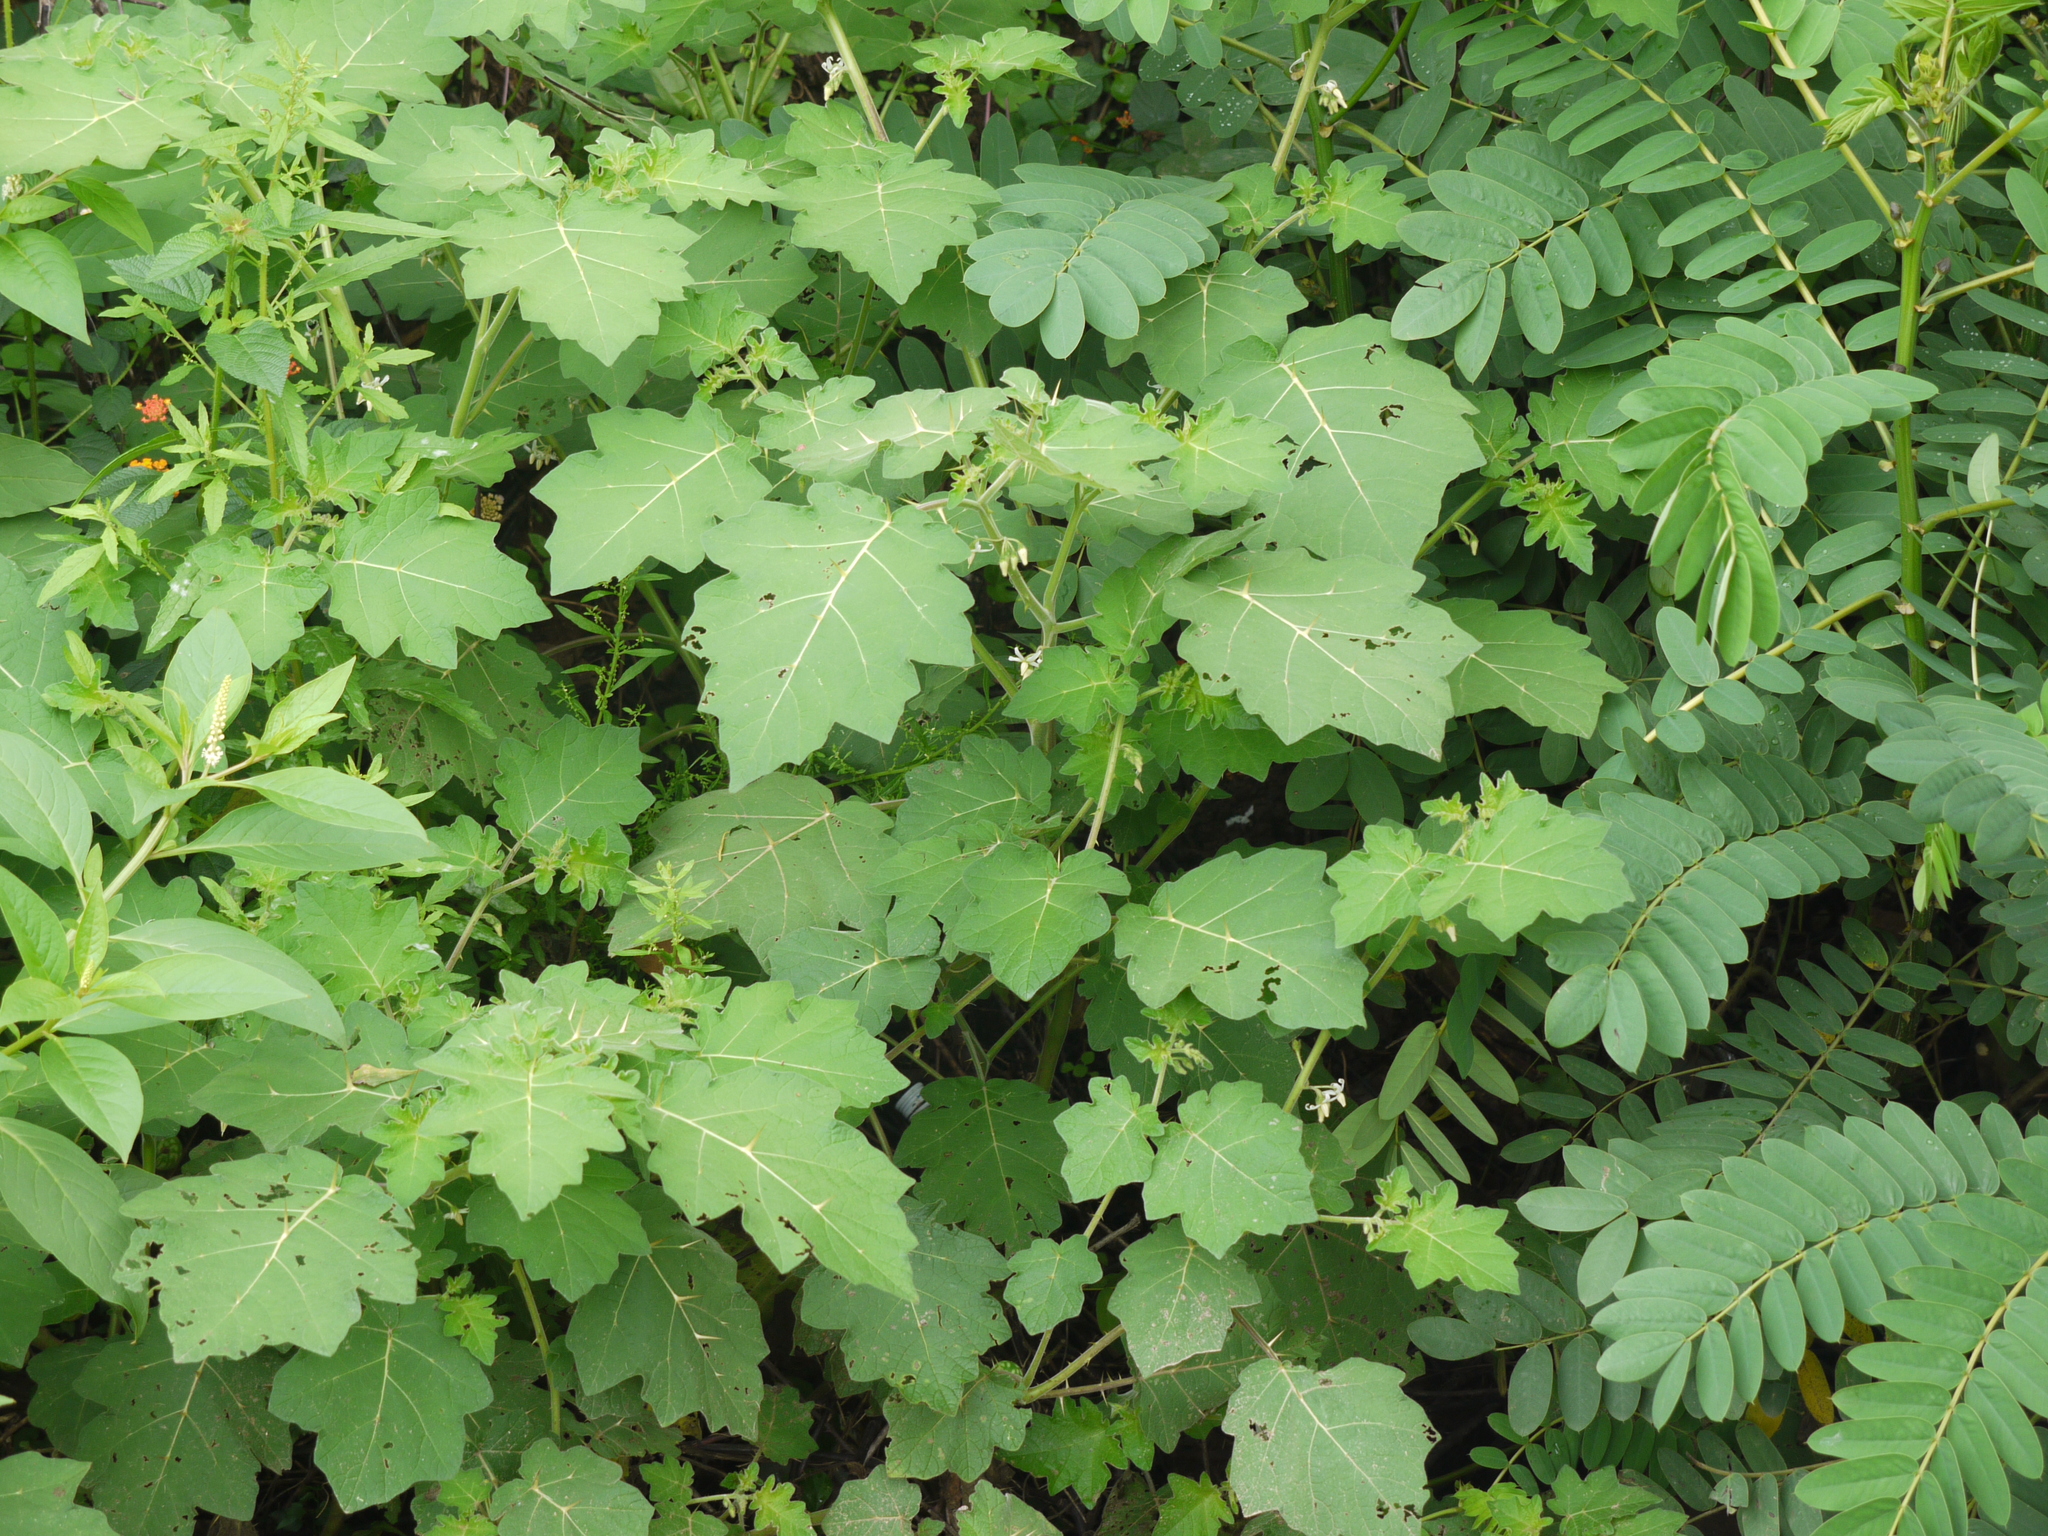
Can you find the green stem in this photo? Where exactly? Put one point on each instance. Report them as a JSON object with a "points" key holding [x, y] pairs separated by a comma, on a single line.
{"points": [[1311, 71], [489, 324], [1056, 1028], [853, 71], [540, 1337], [1075, 1365], [1911, 561]]}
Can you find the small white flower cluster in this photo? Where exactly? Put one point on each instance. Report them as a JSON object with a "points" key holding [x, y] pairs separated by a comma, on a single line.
{"points": [[1328, 1097], [835, 71], [214, 752]]}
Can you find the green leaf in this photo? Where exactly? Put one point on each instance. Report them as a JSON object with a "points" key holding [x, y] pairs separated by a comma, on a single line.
{"points": [[174, 1434], [1531, 664], [380, 47], [1334, 1453], [1177, 1299], [775, 857], [1530, 859], [575, 1240], [586, 268], [888, 215], [33, 477], [98, 1084], [990, 1156], [806, 1183], [794, 631], [1075, 1446], [571, 781], [1109, 1140], [1231, 1164], [340, 800], [1004, 51], [855, 968], [66, 1202], [928, 1347], [1443, 1240], [1246, 936], [387, 1406], [1385, 434], [216, 951], [472, 18], [68, 114], [535, 1114], [268, 1250], [924, 1442], [1192, 1507], [37, 1497], [875, 1505], [1187, 335], [569, 1493], [992, 1512], [1033, 911], [257, 354], [403, 572], [767, 1025], [290, 1090], [676, 1317], [265, 591], [41, 806], [1359, 208], [1048, 1281], [39, 275], [650, 489], [1077, 685], [1304, 643]]}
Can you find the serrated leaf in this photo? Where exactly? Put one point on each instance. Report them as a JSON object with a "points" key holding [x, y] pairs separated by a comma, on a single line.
{"points": [[1304, 643], [569, 1493], [924, 1442], [1334, 1453], [1177, 1300], [387, 1406], [363, 46], [257, 354], [1032, 911], [1530, 859], [1075, 1446], [1359, 208], [1529, 663], [1385, 433], [927, 1347], [650, 489], [886, 214], [1109, 1139], [268, 1250], [403, 572], [1048, 1281], [767, 1025], [571, 781], [1444, 1240], [856, 968], [66, 116], [806, 1183], [574, 1241], [676, 1317], [1231, 1164], [38, 1497], [1247, 936], [795, 632], [875, 1505], [1188, 335], [990, 1156]]}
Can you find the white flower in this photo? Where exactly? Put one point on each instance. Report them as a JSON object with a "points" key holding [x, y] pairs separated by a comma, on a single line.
{"points": [[1025, 661], [1334, 99], [835, 71], [1327, 1099], [375, 381]]}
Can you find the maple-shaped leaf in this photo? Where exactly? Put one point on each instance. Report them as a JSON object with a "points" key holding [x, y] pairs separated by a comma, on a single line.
{"points": [[1385, 434], [924, 1442], [992, 782], [1192, 1507], [1444, 1240], [1187, 334], [767, 1025], [576, 1239], [591, 270], [1531, 664], [857, 968], [269, 1249], [681, 168], [38, 1497], [1246, 935], [991, 1157], [403, 572], [1360, 210], [1075, 1446], [1049, 1281], [875, 1505], [387, 1406], [1601, 1503], [1177, 1299], [1383, 882], [1333, 1296], [572, 780], [1109, 1139], [1032, 911], [535, 1113], [1305, 643], [1335, 1453], [267, 592], [928, 1348], [806, 1183], [889, 215], [362, 47], [992, 1512], [676, 1317], [1530, 859], [774, 857], [1231, 1164], [819, 620], [65, 114], [569, 1493], [290, 1088], [649, 489], [172, 1434], [560, 19]]}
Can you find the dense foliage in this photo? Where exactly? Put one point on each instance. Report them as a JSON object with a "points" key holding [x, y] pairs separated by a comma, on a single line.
{"points": [[1145, 766]]}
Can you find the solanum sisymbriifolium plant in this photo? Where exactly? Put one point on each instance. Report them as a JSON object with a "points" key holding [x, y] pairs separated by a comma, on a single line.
{"points": [[973, 769]]}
